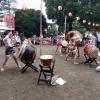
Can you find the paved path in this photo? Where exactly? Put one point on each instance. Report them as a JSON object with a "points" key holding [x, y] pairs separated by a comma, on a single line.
{"points": [[82, 82]]}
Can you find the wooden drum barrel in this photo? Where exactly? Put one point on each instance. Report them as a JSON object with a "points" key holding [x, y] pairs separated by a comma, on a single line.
{"points": [[91, 50], [27, 53], [46, 60]]}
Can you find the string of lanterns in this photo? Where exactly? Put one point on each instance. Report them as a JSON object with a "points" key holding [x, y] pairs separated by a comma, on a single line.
{"points": [[84, 21]]}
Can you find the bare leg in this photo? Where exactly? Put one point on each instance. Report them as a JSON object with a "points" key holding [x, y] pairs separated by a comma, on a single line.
{"points": [[78, 51], [56, 49], [5, 61], [75, 57], [60, 50], [67, 55], [16, 61]]}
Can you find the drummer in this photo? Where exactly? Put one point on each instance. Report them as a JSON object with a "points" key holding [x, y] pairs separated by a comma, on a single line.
{"points": [[18, 41], [58, 46], [9, 49], [27, 41], [72, 49]]}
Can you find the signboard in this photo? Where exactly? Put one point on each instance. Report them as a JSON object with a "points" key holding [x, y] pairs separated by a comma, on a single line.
{"points": [[7, 21]]}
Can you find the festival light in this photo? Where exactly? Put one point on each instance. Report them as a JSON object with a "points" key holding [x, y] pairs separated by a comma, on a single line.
{"points": [[70, 14], [89, 23], [97, 24], [84, 21], [77, 18], [60, 8], [93, 24]]}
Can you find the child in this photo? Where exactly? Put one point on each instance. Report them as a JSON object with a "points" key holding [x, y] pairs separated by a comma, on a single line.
{"points": [[59, 45], [9, 49]]}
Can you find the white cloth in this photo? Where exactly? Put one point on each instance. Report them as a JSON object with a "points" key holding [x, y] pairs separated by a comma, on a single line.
{"points": [[18, 39], [98, 36], [93, 40], [8, 40]]}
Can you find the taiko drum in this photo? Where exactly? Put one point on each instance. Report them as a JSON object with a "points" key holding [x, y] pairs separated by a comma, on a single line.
{"points": [[91, 50], [46, 60]]}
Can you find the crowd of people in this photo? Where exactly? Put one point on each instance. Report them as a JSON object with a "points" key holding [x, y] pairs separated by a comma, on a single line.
{"points": [[12, 40], [13, 44], [72, 49]]}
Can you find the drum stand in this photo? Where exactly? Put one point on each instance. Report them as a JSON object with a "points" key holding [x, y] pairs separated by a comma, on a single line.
{"points": [[47, 72], [90, 60], [27, 65]]}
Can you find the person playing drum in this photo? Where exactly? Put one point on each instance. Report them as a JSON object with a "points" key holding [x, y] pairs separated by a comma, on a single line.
{"points": [[59, 45], [18, 41], [72, 48], [27, 41], [9, 49]]}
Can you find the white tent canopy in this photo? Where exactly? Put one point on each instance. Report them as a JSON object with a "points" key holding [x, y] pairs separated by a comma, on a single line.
{"points": [[3, 27]]}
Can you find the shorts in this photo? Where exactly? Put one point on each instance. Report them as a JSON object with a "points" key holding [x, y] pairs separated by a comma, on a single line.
{"points": [[58, 44], [9, 51], [17, 44]]}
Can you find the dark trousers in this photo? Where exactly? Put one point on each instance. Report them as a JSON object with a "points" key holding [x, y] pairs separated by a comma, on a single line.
{"points": [[98, 45]]}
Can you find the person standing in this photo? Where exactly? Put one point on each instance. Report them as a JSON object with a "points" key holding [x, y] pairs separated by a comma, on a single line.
{"points": [[58, 46], [9, 49], [98, 39], [18, 40], [72, 49]]}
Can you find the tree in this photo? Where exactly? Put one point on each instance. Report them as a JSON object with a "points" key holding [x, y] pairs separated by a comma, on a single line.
{"points": [[28, 21], [86, 9], [7, 5]]}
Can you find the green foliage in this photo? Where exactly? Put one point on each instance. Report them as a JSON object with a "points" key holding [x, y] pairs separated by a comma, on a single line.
{"points": [[86, 9], [50, 32], [7, 5], [78, 26], [28, 21]]}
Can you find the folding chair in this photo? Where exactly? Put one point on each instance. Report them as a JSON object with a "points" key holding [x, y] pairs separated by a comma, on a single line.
{"points": [[47, 72]]}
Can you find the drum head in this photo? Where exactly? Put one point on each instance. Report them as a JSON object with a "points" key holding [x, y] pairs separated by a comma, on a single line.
{"points": [[46, 60], [45, 57], [93, 54], [64, 43], [91, 50], [29, 54]]}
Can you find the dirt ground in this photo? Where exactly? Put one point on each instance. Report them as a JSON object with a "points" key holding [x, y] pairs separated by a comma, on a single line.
{"points": [[82, 82]]}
